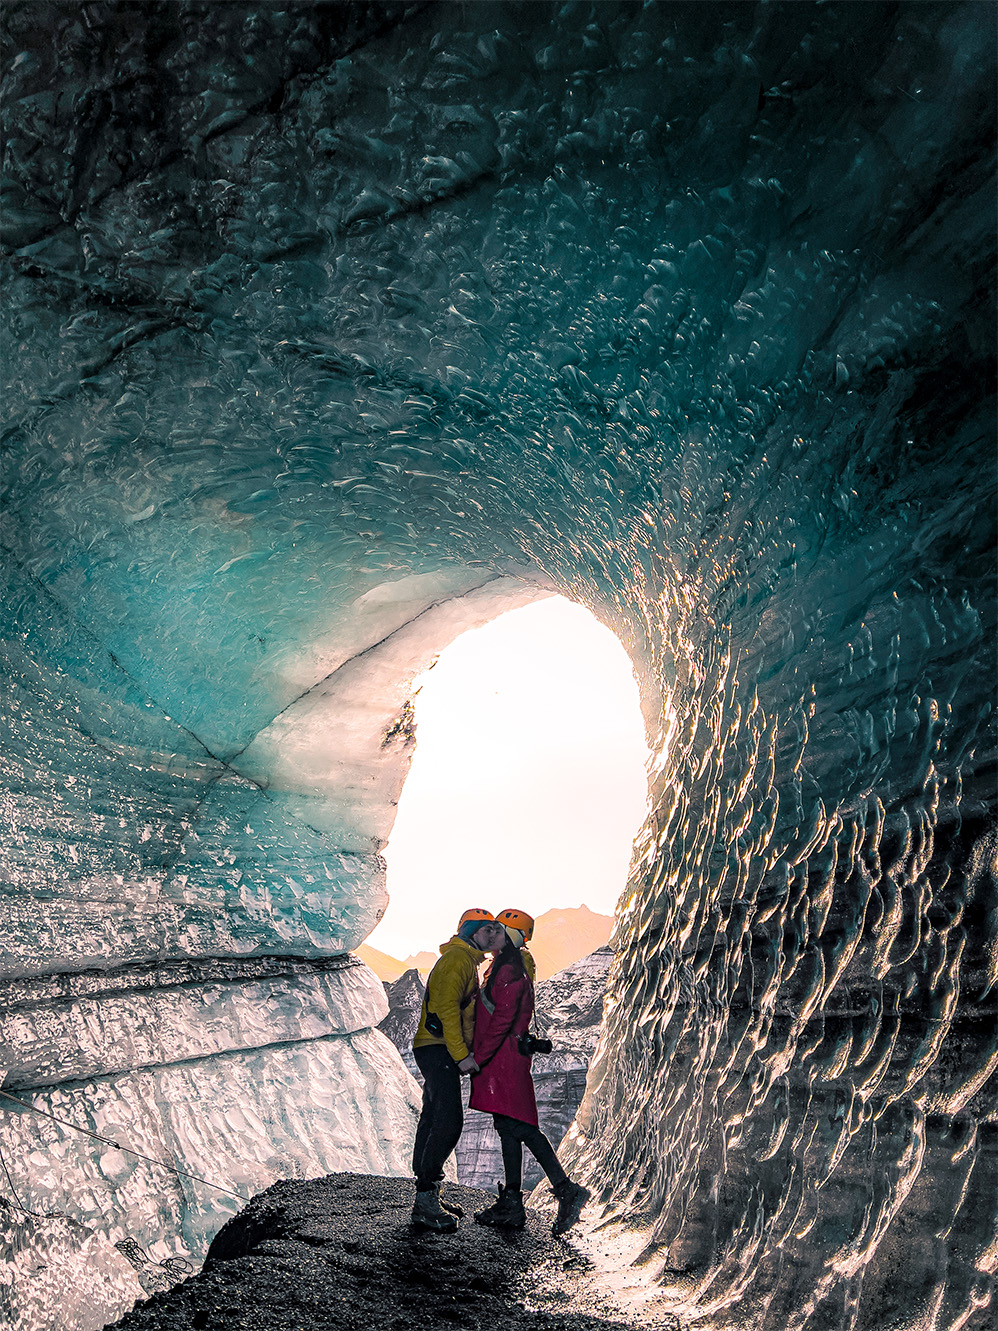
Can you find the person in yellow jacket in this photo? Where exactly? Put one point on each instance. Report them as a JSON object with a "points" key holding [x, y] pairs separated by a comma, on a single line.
{"points": [[442, 1050]]}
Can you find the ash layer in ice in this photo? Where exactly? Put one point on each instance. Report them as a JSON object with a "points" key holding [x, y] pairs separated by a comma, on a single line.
{"points": [[332, 330]]}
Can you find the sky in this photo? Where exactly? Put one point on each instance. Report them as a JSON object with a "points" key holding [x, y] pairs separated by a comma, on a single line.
{"points": [[527, 785]]}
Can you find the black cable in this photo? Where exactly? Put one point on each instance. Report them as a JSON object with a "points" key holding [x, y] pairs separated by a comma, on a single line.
{"points": [[182, 1173], [51, 1215], [137, 1257], [172, 1268]]}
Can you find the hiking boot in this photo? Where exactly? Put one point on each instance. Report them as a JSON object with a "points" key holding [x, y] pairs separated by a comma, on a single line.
{"points": [[506, 1213], [450, 1207], [572, 1197], [427, 1213]]}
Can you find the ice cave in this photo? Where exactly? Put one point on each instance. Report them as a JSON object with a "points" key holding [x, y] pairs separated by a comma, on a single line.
{"points": [[335, 329]]}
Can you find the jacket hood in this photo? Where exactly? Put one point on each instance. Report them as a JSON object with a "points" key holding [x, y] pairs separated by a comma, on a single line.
{"points": [[456, 942]]}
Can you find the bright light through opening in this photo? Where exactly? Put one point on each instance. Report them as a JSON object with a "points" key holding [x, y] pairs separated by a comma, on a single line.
{"points": [[528, 781]]}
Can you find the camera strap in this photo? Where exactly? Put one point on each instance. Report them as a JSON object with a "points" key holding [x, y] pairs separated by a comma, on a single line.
{"points": [[537, 1027]]}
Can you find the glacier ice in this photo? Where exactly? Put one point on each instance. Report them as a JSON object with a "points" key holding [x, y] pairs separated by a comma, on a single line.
{"points": [[189, 853], [70, 1027], [232, 1072], [57, 1267], [332, 329], [239, 1119]]}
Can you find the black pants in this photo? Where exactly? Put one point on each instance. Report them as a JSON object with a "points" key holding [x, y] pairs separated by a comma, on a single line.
{"points": [[442, 1115], [513, 1136]]}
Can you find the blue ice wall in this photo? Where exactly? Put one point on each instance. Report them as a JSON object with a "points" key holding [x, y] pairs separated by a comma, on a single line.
{"points": [[683, 310]]}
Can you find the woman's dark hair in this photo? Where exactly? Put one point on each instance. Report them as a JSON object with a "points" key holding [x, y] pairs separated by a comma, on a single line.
{"points": [[509, 956]]}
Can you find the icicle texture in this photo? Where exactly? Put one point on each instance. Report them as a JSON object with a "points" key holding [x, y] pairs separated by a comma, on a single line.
{"points": [[325, 324]]}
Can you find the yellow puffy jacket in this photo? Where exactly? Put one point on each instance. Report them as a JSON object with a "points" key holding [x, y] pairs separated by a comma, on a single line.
{"points": [[451, 991]]}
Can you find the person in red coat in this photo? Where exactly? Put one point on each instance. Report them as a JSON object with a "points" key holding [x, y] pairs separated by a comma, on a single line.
{"points": [[504, 1086]]}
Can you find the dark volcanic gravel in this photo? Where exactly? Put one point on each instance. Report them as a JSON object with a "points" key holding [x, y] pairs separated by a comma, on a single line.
{"points": [[339, 1252]]}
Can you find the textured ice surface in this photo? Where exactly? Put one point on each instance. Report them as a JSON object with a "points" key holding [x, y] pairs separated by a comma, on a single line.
{"points": [[144, 1016], [318, 317], [180, 853], [242, 1119], [57, 1268], [238, 1071]]}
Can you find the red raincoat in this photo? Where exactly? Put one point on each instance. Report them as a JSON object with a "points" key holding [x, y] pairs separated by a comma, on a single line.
{"points": [[504, 1085]]}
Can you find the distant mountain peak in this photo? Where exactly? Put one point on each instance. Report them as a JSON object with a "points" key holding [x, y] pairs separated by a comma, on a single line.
{"points": [[562, 935]]}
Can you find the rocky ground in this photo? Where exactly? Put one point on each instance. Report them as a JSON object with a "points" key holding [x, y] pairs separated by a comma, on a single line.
{"points": [[339, 1252]]}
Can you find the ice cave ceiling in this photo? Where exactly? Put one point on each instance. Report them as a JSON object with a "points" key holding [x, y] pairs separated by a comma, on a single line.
{"points": [[334, 329]]}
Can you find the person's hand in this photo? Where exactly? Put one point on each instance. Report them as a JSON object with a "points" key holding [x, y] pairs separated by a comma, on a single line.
{"points": [[468, 1064]]}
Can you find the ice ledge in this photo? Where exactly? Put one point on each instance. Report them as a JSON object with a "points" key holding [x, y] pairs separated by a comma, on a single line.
{"points": [[71, 1027], [238, 1121]]}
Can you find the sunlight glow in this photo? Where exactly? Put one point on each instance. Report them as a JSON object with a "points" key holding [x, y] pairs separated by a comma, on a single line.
{"points": [[528, 782]]}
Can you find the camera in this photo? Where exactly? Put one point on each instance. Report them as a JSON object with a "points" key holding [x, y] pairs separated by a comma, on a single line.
{"points": [[528, 1043], [434, 1025]]}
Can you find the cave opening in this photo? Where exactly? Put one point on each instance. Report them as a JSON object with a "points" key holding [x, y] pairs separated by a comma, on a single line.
{"points": [[527, 783]]}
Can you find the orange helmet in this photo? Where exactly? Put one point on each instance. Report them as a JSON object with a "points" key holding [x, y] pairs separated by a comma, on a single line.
{"points": [[517, 919], [477, 913]]}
